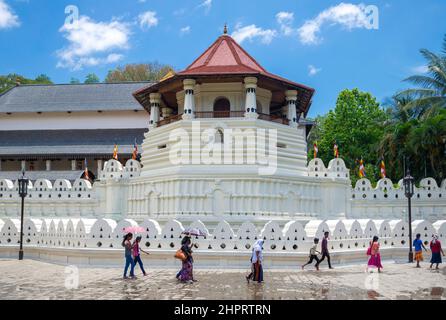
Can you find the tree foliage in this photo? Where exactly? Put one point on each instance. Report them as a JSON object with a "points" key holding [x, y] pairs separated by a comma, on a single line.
{"points": [[91, 78], [410, 133], [430, 95], [138, 72], [356, 125], [11, 80]]}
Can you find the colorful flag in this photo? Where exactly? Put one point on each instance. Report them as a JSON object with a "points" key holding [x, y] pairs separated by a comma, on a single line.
{"points": [[383, 169], [336, 150], [361, 169], [316, 150], [115, 152], [135, 151], [86, 175]]}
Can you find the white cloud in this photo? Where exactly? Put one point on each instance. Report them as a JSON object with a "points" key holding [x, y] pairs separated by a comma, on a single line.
{"points": [[285, 20], [347, 15], [207, 5], [185, 30], [148, 19], [92, 43], [252, 32], [420, 69], [7, 17], [312, 70]]}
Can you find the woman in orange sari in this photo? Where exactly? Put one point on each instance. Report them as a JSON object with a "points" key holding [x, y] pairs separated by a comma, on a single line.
{"points": [[375, 256]]}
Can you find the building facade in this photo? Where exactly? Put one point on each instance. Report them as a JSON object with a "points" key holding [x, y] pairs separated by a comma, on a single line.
{"points": [[50, 130]]}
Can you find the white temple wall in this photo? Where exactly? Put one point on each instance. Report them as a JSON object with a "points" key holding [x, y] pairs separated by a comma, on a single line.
{"points": [[212, 194], [75, 120], [66, 239], [157, 148]]}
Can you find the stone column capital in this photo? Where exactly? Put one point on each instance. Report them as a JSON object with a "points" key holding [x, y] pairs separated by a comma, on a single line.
{"points": [[291, 95], [189, 84], [250, 82], [155, 97]]}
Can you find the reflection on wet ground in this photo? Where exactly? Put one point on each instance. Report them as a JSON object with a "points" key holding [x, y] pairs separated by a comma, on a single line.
{"points": [[31, 280]]}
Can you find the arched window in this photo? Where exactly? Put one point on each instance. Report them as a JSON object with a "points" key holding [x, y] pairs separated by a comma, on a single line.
{"points": [[219, 136], [222, 108]]}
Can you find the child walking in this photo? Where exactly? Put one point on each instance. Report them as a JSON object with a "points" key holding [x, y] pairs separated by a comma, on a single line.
{"points": [[137, 254], [313, 255], [419, 246]]}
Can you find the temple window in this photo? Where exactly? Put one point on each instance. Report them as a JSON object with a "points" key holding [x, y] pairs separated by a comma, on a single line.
{"points": [[219, 136], [222, 108]]}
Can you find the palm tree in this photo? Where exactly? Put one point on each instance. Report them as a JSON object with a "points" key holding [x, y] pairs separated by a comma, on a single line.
{"points": [[430, 96]]}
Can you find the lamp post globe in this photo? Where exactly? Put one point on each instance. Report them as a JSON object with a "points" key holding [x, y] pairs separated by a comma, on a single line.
{"points": [[23, 192], [409, 183]]}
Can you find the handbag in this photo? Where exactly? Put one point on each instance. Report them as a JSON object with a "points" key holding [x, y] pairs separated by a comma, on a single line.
{"points": [[180, 255], [369, 251]]}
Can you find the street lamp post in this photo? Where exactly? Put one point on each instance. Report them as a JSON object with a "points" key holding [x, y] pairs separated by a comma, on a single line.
{"points": [[23, 192], [409, 192]]}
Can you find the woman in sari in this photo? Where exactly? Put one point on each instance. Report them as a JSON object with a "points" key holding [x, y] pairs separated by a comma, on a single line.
{"points": [[436, 250], [256, 262], [375, 256], [186, 272]]}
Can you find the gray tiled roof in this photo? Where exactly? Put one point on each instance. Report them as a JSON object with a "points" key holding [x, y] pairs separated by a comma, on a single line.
{"points": [[71, 97], [71, 142]]}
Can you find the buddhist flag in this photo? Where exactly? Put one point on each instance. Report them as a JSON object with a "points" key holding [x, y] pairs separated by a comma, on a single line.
{"points": [[316, 150], [86, 175], [361, 169], [135, 151], [336, 150], [115, 152], [383, 169]]}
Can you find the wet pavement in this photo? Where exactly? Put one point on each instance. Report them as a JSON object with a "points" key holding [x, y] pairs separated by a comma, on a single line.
{"points": [[38, 280]]}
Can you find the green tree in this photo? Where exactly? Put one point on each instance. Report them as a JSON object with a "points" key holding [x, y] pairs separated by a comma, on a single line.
{"points": [[430, 96], [153, 71], [356, 124], [74, 81], [43, 79], [91, 78], [12, 79]]}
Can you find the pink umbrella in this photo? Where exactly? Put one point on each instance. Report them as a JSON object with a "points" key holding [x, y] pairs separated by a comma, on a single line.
{"points": [[134, 230], [194, 232]]}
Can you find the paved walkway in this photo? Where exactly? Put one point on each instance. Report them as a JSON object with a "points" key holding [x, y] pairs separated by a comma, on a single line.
{"points": [[37, 280]]}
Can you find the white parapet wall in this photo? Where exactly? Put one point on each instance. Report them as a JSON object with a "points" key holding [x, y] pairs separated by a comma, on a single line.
{"points": [[323, 194], [98, 241]]}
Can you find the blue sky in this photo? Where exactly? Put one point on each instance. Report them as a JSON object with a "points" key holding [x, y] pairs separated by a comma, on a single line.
{"points": [[323, 44]]}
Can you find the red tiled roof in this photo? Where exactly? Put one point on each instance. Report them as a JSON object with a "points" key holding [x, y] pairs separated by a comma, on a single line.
{"points": [[226, 56], [222, 57]]}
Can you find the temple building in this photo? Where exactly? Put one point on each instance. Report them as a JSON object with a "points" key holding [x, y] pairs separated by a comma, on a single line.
{"points": [[223, 148], [49, 130]]}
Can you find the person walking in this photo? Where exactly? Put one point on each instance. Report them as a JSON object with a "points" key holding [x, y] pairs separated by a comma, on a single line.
{"points": [[137, 254], [419, 246], [313, 255], [324, 249], [436, 250], [375, 256], [186, 273], [256, 262], [129, 262]]}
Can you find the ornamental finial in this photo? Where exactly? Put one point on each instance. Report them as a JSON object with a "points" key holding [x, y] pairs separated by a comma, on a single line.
{"points": [[225, 30]]}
